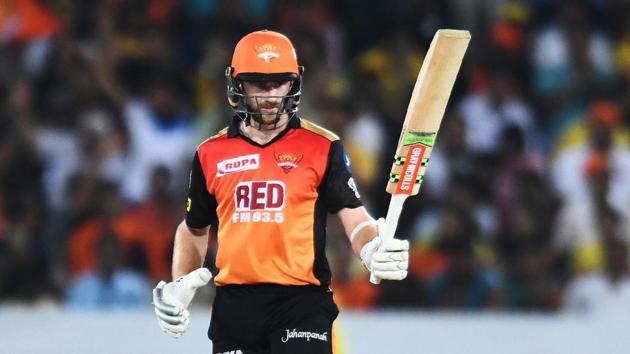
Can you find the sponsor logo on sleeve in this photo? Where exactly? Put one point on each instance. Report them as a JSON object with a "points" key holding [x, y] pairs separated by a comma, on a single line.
{"points": [[346, 161], [354, 188], [238, 164]]}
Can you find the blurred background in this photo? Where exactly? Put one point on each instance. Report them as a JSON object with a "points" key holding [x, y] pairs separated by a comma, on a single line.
{"points": [[525, 208]]}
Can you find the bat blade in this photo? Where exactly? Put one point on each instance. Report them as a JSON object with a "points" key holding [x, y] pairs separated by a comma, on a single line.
{"points": [[426, 110], [422, 122]]}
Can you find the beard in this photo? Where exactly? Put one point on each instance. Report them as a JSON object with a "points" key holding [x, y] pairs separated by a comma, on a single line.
{"points": [[266, 114], [269, 115], [269, 121]]}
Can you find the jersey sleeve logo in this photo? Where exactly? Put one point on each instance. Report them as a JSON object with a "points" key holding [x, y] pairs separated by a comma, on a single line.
{"points": [[238, 164], [346, 161], [287, 161], [354, 188]]}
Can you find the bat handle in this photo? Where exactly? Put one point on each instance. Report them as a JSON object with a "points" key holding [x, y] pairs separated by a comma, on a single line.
{"points": [[391, 222]]}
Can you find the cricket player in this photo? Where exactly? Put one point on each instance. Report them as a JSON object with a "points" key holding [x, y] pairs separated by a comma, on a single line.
{"points": [[267, 183]]}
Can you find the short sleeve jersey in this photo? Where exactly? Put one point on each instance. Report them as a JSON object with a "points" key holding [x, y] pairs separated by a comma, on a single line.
{"points": [[269, 202]]}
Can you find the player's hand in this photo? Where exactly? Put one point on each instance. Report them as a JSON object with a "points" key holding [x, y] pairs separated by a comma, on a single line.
{"points": [[171, 300], [387, 261]]}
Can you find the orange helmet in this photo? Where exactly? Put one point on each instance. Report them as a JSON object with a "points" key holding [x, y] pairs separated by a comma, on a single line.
{"points": [[263, 55], [265, 52]]}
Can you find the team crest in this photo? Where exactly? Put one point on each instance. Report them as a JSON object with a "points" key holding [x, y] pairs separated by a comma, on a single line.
{"points": [[267, 52], [287, 162]]}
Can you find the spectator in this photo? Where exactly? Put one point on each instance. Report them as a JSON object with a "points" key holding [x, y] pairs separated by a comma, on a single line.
{"points": [[101, 216], [160, 134], [600, 133], [515, 162], [157, 118], [488, 112], [147, 227], [580, 223], [23, 260], [109, 284], [570, 60], [449, 158], [150, 225], [465, 283]]}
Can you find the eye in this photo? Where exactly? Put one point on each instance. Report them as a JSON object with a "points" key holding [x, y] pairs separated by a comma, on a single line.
{"points": [[279, 83]]}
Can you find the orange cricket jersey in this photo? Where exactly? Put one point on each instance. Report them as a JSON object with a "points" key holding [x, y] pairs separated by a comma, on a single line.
{"points": [[270, 202]]}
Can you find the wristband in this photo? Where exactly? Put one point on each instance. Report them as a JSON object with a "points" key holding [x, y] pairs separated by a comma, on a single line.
{"points": [[360, 227]]}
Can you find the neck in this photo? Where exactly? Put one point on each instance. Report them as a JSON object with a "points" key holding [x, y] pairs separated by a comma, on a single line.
{"points": [[262, 135]]}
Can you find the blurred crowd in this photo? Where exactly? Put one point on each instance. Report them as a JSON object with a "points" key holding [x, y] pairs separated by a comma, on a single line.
{"points": [[526, 205]]}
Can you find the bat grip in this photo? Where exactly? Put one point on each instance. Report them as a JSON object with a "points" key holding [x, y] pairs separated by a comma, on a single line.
{"points": [[391, 223]]}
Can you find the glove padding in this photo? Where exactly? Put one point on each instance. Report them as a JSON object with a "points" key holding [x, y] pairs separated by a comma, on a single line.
{"points": [[171, 300], [389, 261]]}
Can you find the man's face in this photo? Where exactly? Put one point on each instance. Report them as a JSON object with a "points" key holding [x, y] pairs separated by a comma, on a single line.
{"points": [[268, 97]]}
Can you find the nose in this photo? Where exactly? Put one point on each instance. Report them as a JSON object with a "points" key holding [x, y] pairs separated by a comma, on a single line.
{"points": [[269, 85], [271, 95]]}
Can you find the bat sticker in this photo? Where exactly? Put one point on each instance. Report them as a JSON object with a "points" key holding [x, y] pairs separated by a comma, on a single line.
{"points": [[400, 160], [409, 174], [423, 138]]}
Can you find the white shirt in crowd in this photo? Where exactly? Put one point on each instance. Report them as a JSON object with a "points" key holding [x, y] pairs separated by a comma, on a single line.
{"points": [[485, 123], [569, 180], [152, 145]]}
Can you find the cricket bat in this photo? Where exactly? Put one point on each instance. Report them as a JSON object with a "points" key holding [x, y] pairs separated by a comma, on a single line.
{"points": [[422, 122]]}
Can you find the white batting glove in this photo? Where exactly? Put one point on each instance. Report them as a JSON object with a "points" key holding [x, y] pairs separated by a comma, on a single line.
{"points": [[390, 261], [171, 301]]}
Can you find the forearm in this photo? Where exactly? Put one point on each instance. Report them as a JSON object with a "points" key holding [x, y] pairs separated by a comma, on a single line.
{"points": [[189, 250], [172, 299], [360, 227], [362, 236]]}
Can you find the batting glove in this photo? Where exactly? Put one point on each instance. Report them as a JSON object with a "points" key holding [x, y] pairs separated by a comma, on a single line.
{"points": [[171, 301], [386, 259]]}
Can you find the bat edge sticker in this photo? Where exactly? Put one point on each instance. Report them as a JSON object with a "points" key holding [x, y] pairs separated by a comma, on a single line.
{"points": [[409, 172]]}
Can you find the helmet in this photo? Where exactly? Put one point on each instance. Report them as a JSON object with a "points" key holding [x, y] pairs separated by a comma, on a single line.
{"points": [[263, 55]]}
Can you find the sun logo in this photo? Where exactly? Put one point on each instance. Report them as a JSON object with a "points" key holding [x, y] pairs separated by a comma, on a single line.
{"points": [[287, 162], [267, 52]]}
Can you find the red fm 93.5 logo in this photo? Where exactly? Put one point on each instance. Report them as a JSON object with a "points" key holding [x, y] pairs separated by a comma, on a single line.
{"points": [[259, 201]]}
